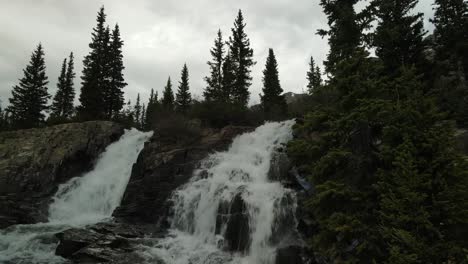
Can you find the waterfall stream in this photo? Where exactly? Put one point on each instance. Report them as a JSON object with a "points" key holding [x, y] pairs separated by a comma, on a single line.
{"points": [[83, 200], [230, 211]]}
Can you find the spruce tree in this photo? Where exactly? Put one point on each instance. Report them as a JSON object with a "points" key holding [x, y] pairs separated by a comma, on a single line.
{"points": [[228, 81], [273, 102], [451, 22], [95, 79], [29, 98], [399, 34], [314, 76], [62, 105], [214, 87], [69, 94], [183, 96], [59, 98], [151, 109], [345, 32], [168, 96], [142, 124], [114, 100], [137, 111], [242, 57]]}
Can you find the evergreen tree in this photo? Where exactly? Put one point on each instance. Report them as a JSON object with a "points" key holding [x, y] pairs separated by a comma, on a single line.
{"points": [[168, 96], [69, 94], [137, 111], [314, 76], [29, 97], [142, 124], [151, 109], [62, 105], [114, 95], [399, 34], [242, 57], [451, 22], [59, 98], [345, 32], [214, 87], [228, 81], [95, 79], [183, 97], [273, 102]]}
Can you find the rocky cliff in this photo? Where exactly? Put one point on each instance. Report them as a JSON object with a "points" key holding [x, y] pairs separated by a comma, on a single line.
{"points": [[34, 162]]}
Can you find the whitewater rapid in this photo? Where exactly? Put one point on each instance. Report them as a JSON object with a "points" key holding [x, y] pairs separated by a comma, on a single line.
{"points": [[198, 233], [83, 200]]}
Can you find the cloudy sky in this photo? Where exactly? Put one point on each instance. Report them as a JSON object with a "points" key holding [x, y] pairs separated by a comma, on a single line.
{"points": [[160, 36]]}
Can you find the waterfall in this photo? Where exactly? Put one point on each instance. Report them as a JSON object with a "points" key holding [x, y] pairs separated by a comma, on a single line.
{"points": [[231, 205], [83, 200]]}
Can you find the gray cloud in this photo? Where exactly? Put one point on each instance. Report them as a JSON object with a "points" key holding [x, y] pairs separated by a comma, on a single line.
{"points": [[160, 36]]}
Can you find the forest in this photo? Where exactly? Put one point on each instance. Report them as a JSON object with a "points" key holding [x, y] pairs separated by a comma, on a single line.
{"points": [[375, 133]]}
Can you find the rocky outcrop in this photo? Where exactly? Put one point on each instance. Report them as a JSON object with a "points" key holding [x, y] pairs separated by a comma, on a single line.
{"points": [[34, 162], [232, 222], [106, 242], [165, 164]]}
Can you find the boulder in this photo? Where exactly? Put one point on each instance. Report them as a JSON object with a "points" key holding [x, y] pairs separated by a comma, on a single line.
{"points": [[279, 166], [237, 233], [33, 162], [105, 242], [164, 164]]}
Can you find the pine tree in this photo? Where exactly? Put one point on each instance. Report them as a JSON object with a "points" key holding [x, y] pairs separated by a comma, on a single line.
{"points": [[168, 96], [451, 22], [151, 109], [183, 96], [314, 76], [62, 105], [214, 87], [273, 102], [29, 97], [59, 98], [142, 124], [399, 34], [345, 32], [95, 79], [228, 81], [69, 94], [242, 57], [114, 95], [137, 111]]}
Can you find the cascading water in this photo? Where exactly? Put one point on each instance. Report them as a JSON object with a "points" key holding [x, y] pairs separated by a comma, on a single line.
{"points": [[83, 200], [236, 178]]}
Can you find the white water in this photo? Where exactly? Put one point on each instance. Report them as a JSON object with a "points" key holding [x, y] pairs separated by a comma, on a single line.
{"points": [[242, 169], [83, 200]]}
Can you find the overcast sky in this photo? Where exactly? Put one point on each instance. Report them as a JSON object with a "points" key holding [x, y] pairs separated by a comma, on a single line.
{"points": [[160, 36]]}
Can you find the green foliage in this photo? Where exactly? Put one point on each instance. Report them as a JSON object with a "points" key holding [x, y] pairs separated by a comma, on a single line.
{"points": [[314, 77], [62, 105], [273, 102], [183, 96], [29, 97], [389, 185], [168, 96], [242, 58], [102, 79], [215, 89]]}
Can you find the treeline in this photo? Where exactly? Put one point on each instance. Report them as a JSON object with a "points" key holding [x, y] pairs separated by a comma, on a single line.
{"points": [[225, 98], [378, 140]]}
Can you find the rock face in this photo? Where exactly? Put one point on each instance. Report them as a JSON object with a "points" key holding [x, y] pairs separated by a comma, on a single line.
{"points": [[164, 165], [34, 162]]}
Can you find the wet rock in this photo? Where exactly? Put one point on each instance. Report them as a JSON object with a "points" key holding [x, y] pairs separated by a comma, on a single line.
{"points": [[285, 220], [105, 242], [289, 255], [233, 222], [163, 165], [33, 162], [279, 166]]}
